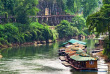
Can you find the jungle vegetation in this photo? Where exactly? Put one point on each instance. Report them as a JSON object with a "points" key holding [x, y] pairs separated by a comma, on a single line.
{"points": [[25, 30], [99, 23]]}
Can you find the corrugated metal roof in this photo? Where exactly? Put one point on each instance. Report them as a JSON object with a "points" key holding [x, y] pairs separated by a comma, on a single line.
{"points": [[81, 58], [84, 55], [74, 41], [79, 51]]}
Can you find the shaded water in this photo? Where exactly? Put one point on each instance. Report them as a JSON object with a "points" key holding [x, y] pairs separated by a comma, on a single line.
{"points": [[35, 60]]}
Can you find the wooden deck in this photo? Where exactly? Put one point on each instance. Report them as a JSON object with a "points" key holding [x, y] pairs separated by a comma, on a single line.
{"points": [[62, 58]]}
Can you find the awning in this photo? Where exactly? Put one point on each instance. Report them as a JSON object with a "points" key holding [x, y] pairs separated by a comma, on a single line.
{"points": [[79, 51], [81, 58], [76, 41], [73, 41]]}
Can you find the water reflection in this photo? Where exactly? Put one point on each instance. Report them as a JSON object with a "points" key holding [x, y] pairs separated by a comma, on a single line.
{"points": [[32, 60], [35, 60], [90, 45]]}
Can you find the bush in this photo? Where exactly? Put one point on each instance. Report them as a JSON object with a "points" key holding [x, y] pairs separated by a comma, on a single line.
{"points": [[2, 31], [41, 32], [3, 41], [55, 35], [75, 31], [86, 31], [66, 30], [21, 27], [79, 22], [36, 30], [0, 44], [20, 33], [10, 32], [106, 46]]}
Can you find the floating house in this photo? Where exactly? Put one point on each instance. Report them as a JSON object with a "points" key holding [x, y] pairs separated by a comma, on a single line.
{"points": [[76, 57]]}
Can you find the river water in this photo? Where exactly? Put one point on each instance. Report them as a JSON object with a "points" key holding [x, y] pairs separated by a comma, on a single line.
{"points": [[37, 60]]}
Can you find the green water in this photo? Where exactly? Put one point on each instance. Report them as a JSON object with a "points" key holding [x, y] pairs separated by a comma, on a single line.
{"points": [[35, 60], [91, 45]]}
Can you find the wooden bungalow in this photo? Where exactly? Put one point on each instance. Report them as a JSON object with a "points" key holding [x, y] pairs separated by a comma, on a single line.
{"points": [[84, 62]]}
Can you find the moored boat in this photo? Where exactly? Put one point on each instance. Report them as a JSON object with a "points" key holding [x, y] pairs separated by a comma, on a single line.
{"points": [[74, 52]]}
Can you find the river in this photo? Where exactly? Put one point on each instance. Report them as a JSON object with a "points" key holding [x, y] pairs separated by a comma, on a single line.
{"points": [[37, 60]]}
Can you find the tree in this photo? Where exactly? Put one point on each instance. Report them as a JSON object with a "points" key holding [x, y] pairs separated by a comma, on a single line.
{"points": [[79, 22], [66, 30], [70, 4], [20, 9], [100, 22], [73, 6], [89, 6], [61, 4], [25, 9], [96, 21], [78, 6]]}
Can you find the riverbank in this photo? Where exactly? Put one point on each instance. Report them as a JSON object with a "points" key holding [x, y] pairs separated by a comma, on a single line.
{"points": [[26, 43], [80, 37], [15, 34], [101, 56]]}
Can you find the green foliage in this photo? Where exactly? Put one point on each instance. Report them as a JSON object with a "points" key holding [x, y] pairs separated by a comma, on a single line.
{"points": [[100, 22], [70, 4], [96, 21], [55, 35], [20, 33], [8, 6], [66, 30], [79, 22], [106, 1], [75, 31], [106, 47], [0, 44], [1, 30], [38, 31], [78, 6], [89, 6], [61, 4], [26, 8], [72, 7], [20, 9], [3, 41], [10, 32], [86, 31]]}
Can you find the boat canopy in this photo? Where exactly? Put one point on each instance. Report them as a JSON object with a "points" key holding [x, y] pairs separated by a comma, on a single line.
{"points": [[72, 41], [63, 44], [81, 58], [84, 55], [79, 51], [76, 41]]}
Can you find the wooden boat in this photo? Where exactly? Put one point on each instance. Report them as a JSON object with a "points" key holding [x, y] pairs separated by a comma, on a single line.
{"points": [[76, 57]]}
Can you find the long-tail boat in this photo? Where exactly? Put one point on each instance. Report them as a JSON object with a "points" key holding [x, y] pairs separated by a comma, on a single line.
{"points": [[75, 55]]}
